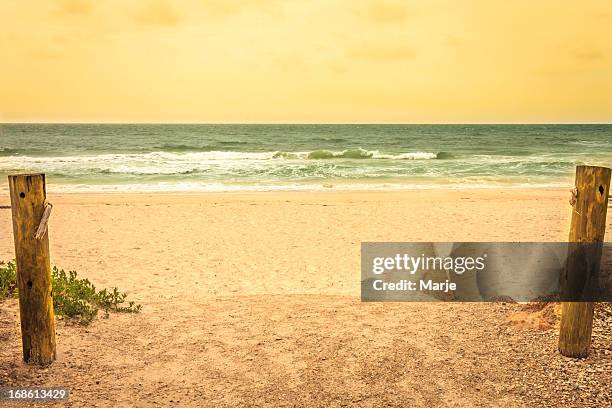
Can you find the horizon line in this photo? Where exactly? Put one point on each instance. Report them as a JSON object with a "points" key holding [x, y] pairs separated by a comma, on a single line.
{"points": [[298, 123]]}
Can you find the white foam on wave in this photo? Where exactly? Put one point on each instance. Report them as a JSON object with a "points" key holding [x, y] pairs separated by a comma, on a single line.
{"points": [[406, 156], [220, 163]]}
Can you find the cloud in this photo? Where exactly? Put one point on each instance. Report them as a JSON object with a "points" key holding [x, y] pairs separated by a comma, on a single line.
{"points": [[453, 41], [382, 52], [589, 55], [603, 14], [226, 8], [293, 63], [385, 12], [40, 53], [74, 7], [158, 13], [222, 8], [337, 67]]}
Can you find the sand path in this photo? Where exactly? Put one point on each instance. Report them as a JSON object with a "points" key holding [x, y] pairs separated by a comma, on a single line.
{"points": [[252, 300]]}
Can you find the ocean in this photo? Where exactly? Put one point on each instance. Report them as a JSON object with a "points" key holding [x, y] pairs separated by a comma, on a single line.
{"points": [[139, 157]]}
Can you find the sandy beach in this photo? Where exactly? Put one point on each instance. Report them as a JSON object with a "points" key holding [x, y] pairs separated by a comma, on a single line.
{"points": [[253, 298]]}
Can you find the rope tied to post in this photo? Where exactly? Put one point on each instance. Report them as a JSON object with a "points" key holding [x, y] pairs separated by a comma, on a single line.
{"points": [[42, 227], [574, 199]]}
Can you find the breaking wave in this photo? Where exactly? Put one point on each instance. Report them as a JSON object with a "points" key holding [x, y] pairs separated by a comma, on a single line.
{"points": [[361, 154]]}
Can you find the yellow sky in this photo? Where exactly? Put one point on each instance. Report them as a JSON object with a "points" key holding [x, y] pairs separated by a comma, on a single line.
{"points": [[306, 61]]}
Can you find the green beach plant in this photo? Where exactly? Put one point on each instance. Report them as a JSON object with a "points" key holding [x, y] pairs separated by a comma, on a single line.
{"points": [[74, 298], [8, 279]]}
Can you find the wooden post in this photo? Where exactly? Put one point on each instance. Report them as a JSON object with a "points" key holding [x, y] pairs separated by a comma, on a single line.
{"points": [[28, 199], [588, 225]]}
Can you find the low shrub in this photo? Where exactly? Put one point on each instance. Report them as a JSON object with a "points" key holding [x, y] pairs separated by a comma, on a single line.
{"points": [[8, 279], [74, 298]]}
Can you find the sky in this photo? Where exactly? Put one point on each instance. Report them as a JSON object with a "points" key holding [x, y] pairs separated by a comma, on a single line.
{"points": [[316, 61]]}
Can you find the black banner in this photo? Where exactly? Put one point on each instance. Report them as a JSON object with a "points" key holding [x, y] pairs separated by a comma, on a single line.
{"points": [[485, 271]]}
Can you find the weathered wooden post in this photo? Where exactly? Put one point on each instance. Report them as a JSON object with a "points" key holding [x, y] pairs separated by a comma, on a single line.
{"points": [[29, 208], [588, 225]]}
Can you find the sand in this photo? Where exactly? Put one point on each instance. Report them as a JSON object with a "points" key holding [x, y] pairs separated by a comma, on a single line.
{"points": [[253, 299]]}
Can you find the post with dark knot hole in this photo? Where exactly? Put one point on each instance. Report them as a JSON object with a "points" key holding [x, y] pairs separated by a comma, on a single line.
{"points": [[31, 211], [590, 203]]}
